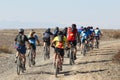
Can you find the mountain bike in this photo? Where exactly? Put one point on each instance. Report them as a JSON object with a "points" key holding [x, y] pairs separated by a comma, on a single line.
{"points": [[71, 54], [46, 51], [31, 59], [89, 45], [96, 42], [58, 64], [20, 65], [84, 49]]}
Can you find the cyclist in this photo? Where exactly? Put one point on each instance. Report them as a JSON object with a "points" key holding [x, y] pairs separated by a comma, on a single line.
{"points": [[91, 37], [56, 31], [20, 40], [59, 42], [32, 40], [83, 36], [73, 36], [97, 34], [47, 38], [65, 31], [79, 32]]}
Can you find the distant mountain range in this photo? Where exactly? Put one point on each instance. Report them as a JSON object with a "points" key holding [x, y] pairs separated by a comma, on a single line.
{"points": [[26, 25]]}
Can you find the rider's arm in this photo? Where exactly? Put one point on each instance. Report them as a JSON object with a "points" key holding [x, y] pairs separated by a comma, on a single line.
{"points": [[15, 41], [27, 41], [37, 39]]}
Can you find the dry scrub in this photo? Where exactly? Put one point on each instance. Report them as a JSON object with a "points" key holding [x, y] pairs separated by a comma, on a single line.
{"points": [[110, 34], [5, 49], [116, 58]]}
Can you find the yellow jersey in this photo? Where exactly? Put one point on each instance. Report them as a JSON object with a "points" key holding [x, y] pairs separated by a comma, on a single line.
{"points": [[60, 44]]}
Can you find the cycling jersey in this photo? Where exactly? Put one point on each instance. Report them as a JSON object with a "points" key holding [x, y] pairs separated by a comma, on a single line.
{"points": [[71, 35], [32, 40], [59, 44], [83, 37], [80, 30], [21, 47], [97, 32]]}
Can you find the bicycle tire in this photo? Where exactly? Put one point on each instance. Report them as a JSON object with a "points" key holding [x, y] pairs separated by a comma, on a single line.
{"points": [[71, 57], [30, 58], [85, 49], [46, 54], [18, 65], [56, 70]]}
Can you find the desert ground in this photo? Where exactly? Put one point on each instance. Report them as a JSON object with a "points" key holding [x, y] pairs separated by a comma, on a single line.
{"points": [[98, 64]]}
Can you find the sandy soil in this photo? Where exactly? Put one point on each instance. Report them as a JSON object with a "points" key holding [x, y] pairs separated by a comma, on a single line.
{"points": [[96, 65]]}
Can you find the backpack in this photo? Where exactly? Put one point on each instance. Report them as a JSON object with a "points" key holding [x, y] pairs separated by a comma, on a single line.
{"points": [[20, 39], [46, 36]]}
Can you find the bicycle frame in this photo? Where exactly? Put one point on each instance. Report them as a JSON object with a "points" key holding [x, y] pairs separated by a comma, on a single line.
{"points": [[19, 64], [71, 54], [31, 61], [57, 64], [46, 52], [96, 43], [84, 48]]}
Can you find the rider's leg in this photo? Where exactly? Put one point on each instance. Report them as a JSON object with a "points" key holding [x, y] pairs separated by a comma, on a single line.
{"points": [[43, 45], [34, 48], [62, 56], [49, 48], [55, 55], [75, 43], [16, 56], [24, 60]]}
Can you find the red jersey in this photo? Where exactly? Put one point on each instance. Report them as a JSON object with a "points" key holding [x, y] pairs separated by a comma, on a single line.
{"points": [[71, 35]]}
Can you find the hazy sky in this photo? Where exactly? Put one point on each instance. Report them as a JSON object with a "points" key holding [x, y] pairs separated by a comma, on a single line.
{"points": [[37, 13]]}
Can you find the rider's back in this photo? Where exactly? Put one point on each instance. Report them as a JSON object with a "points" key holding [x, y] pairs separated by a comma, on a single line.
{"points": [[71, 35]]}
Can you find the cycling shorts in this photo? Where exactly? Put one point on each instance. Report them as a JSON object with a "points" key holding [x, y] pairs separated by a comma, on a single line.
{"points": [[21, 49], [83, 40], [59, 51], [33, 46], [47, 40], [73, 42], [97, 37]]}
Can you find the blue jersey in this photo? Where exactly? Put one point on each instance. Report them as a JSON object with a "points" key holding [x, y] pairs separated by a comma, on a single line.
{"points": [[83, 35], [33, 40], [97, 32], [80, 30]]}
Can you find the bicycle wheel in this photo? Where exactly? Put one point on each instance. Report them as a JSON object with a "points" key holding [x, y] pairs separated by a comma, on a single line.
{"points": [[97, 44], [30, 58], [56, 67], [85, 49], [56, 70], [46, 53], [71, 57], [18, 65]]}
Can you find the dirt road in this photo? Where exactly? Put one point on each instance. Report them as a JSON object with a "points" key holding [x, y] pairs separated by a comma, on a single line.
{"points": [[96, 65]]}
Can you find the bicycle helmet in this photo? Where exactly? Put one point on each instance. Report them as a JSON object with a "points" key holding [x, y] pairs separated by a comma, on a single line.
{"points": [[21, 30], [57, 28], [60, 33], [48, 30], [97, 28], [73, 27]]}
